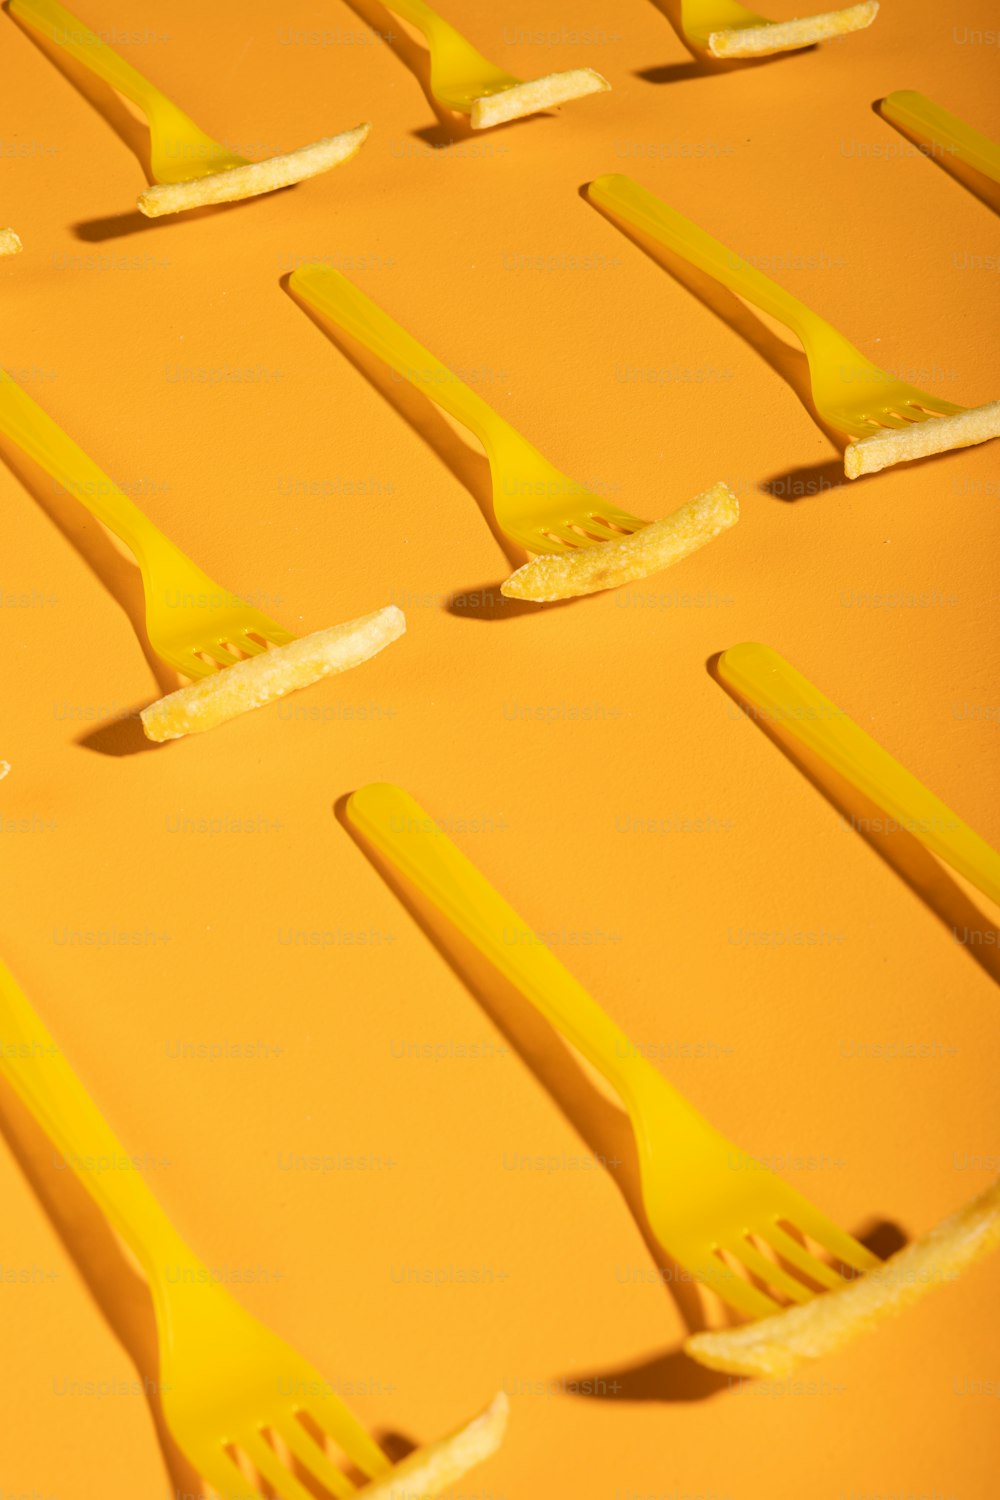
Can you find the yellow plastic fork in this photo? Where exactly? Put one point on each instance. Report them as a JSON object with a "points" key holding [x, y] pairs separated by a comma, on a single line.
{"points": [[713, 1208], [948, 135], [180, 151], [465, 81], [725, 29], [888, 420], [788, 701], [227, 1383], [192, 623], [537, 506]]}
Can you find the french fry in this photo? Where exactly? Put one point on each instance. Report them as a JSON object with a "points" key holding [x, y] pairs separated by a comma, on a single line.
{"points": [[257, 680], [785, 36], [255, 178], [606, 565], [10, 243], [935, 435], [773, 1346], [431, 1470], [540, 93]]}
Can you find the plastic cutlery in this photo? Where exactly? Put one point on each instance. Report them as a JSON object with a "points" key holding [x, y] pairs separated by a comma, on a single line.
{"points": [[722, 1224], [887, 420], [192, 169], [233, 1392], [465, 81], [948, 134], [791, 702]]}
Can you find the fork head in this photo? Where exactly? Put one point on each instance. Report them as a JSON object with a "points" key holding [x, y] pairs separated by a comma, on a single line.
{"points": [[730, 1221], [247, 1410], [197, 626], [179, 150], [858, 398], [544, 510]]}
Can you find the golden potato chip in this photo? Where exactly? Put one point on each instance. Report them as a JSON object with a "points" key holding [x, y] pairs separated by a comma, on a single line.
{"points": [[785, 36], [431, 1470], [10, 243], [606, 565], [260, 679], [540, 93], [773, 1346], [255, 178], [898, 445]]}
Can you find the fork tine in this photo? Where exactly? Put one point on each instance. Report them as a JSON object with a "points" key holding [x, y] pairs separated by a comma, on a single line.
{"points": [[337, 1420], [798, 1256], [269, 1466], [316, 1463], [775, 1277], [835, 1241], [724, 1281], [248, 645]]}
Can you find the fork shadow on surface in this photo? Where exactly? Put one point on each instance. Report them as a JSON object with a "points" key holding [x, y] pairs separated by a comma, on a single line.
{"points": [[701, 65], [788, 362], [905, 855], [452, 128], [121, 578], [603, 1127], [974, 181]]}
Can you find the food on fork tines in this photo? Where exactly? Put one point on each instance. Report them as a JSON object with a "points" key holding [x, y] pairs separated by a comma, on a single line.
{"points": [[257, 680], [787, 36], [606, 565], [773, 1346], [430, 1471], [254, 178]]}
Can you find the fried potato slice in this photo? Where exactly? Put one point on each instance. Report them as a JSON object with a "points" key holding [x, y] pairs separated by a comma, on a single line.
{"points": [[898, 445], [260, 679], [775, 1345], [255, 178], [785, 36], [10, 243], [4, 769], [606, 565], [430, 1470], [540, 93]]}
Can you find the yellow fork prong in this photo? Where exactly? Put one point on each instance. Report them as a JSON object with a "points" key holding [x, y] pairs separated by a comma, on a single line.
{"points": [[249, 646], [797, 1255], [775, 1277], [734, 1290], [316, 1463], [834, 1240], [336, 1419], [271, 1469]]}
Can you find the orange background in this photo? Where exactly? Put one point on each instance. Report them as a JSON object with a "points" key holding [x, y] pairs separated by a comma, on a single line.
{"points": [[565, 748]]}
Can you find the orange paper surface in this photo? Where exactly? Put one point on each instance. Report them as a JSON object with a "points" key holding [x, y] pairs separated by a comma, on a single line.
{"points": [[387, 1156]]}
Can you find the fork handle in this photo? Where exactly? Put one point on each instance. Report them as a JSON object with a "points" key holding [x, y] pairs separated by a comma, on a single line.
{"points": [[35, 1067], [772, 684], [33, 430], [60, 26], [426, 20], [650, 214], [339, 299], [400, 828], [921, 116]]}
